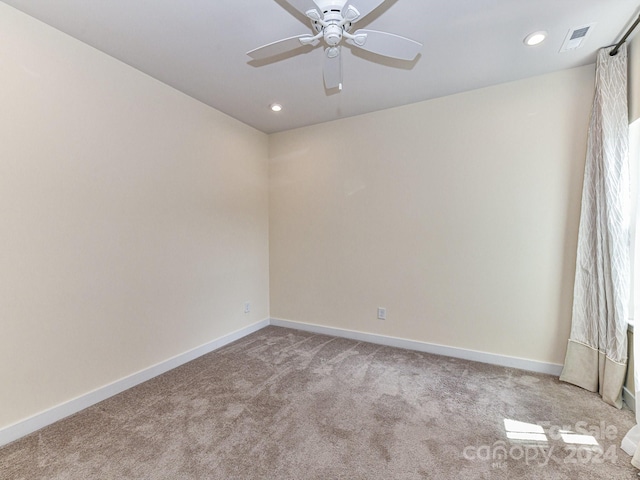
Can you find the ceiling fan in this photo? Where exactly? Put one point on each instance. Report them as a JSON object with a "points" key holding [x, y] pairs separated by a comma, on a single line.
{"points": [[332, 21]]}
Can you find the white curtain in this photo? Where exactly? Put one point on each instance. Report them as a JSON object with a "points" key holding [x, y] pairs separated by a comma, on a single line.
{"points": [[596, 356]]}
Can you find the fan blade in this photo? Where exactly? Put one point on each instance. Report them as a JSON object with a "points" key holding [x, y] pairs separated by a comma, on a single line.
{"points": [[281, 46], [333, 68], [364, 7], [387, 44], [303, 6]]}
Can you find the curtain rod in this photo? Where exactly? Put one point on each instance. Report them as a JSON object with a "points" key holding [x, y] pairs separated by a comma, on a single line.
{"points": [[624, 38]]}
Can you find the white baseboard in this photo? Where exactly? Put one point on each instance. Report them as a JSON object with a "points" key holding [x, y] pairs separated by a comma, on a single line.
{"points": [[49, 416], [24, 427], [483, 357], [629, 398]]}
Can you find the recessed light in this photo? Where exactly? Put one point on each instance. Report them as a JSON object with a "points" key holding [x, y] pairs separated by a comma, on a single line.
{"points": [[275, 107], [535, 38]]}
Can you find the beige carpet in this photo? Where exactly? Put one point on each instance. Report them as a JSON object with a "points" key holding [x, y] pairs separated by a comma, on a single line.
{"points": [[285, 404]]}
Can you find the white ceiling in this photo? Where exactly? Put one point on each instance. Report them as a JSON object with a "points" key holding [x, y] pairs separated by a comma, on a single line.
{"points": [[199, 47]]}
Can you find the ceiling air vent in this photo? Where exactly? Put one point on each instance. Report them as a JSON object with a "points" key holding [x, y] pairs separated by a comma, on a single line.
{"points": [[575, 37]]}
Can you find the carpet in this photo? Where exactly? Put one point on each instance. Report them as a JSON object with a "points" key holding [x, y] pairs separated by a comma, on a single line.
{"points": [[287, 404]]}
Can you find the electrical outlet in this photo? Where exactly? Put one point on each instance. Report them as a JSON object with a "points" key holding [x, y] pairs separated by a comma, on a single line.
{"points": [[247, 307], [382, 313]]}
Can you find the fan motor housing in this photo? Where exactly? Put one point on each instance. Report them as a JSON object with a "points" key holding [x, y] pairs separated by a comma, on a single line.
{"points": [[333, 35], [333, 24]]}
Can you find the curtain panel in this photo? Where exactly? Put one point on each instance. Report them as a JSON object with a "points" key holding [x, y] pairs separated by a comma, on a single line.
{"points": [[596, 356]]}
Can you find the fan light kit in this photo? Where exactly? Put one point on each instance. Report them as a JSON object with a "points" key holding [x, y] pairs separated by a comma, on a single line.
{"points": [[535, 38], [331, 21]]}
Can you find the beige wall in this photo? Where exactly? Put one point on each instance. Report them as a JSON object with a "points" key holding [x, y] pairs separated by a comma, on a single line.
{"points": [[133, 218], [459, 215]]}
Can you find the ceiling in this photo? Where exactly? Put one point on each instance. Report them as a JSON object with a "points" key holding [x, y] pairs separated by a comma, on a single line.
{"points": [[199, 47]]}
